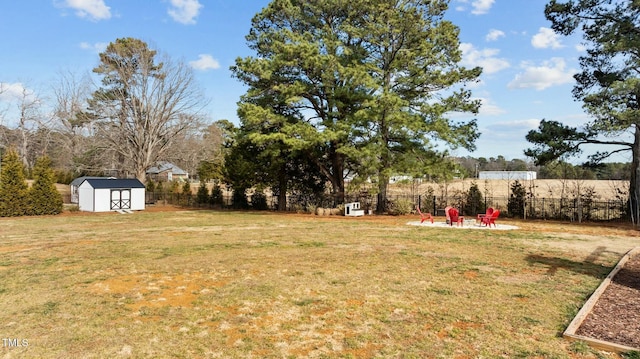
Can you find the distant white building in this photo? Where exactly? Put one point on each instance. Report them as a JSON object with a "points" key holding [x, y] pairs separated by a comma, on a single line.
{"points": [[399, 178], [507, 175]]}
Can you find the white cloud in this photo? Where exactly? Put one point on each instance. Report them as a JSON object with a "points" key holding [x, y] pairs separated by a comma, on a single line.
{"points": [[484, 58], [12, 91], [550, 73], [92, 9], [481, 7], [488, 108], [185, 11], [546, 38], [517, 125], [494, 35], [204, 63], [508, 136], [461, 7], [581, 48], [97, 47]]}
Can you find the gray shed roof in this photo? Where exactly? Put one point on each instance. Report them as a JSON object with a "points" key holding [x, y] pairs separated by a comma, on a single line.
{"points": [[79, 180], [114, 183]]}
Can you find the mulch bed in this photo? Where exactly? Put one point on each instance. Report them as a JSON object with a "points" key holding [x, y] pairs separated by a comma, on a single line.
{"points": [[615, 317]]}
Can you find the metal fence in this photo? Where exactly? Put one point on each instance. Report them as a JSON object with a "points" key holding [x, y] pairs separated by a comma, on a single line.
{"points": [[531, 208], [536, 208]]}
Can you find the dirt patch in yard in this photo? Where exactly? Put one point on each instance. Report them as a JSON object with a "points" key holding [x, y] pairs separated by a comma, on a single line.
{"points": [[154, 290]]}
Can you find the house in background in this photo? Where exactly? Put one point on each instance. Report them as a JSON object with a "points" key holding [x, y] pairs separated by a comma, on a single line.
{"points": [[111, 194], [167, 171]]}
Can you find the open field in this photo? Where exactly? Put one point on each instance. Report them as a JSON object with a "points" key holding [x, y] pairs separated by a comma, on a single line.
{"points": [[206, 284], [547, 188]]}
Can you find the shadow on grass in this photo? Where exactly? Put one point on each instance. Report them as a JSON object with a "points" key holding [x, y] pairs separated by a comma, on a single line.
{"points": [[628, 277], [587, 267]]}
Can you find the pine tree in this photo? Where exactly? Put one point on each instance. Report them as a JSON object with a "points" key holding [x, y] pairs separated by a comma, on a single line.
{"points": [[150, 185], [259, 201], [474, 201], [240, 200], [361, 85], [607, 86], [185, 199], [13, 187], [186, 188], [517, 200], [44, 198], [216, 195], [202, 195]]}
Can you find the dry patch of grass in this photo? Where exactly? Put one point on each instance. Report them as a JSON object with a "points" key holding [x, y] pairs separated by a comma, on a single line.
{"points": [[241, 285]]}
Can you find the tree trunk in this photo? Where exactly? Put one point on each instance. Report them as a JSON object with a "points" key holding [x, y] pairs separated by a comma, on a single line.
{"points": [[333, 173], [337, 181], [383, 185], [385, 162], [141, 175], [634, 183], [282, 190]]}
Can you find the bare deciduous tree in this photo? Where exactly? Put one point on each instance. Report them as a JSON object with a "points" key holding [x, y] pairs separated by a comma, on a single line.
{"points": [[143, 105], [31, 136], [202, 144], [76, 141]]}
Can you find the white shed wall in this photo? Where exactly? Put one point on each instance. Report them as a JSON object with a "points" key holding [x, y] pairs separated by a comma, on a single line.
{"points": [[102, 200], [85, 198], [137, 199]]}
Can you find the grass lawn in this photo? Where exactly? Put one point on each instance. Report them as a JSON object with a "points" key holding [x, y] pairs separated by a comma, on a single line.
{"points": [[206, 284]]}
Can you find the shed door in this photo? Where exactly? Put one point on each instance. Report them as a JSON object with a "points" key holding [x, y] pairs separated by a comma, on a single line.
{"points": [[120, 199]]}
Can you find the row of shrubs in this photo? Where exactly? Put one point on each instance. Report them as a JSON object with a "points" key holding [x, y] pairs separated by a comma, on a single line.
{"points": [[17, 198], [214, 198]]}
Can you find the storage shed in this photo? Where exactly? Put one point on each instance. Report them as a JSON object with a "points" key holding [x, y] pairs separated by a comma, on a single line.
{"points": [[111, 194]]}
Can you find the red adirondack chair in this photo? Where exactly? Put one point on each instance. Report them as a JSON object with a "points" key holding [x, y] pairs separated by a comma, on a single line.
{"points": [[454, 216], [424, 216], [487, 220], [446, 214], [488, 213]]}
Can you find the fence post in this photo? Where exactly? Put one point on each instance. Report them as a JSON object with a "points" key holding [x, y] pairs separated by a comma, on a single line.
{"points": [[579, 210], [434, 205]]}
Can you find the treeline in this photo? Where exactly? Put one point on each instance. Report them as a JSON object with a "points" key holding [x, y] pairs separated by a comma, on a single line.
{"points": [[17, 198], [469, 167]]}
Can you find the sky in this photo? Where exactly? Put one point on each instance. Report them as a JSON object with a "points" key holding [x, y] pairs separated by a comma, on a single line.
{"points": [[527, 69]]}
